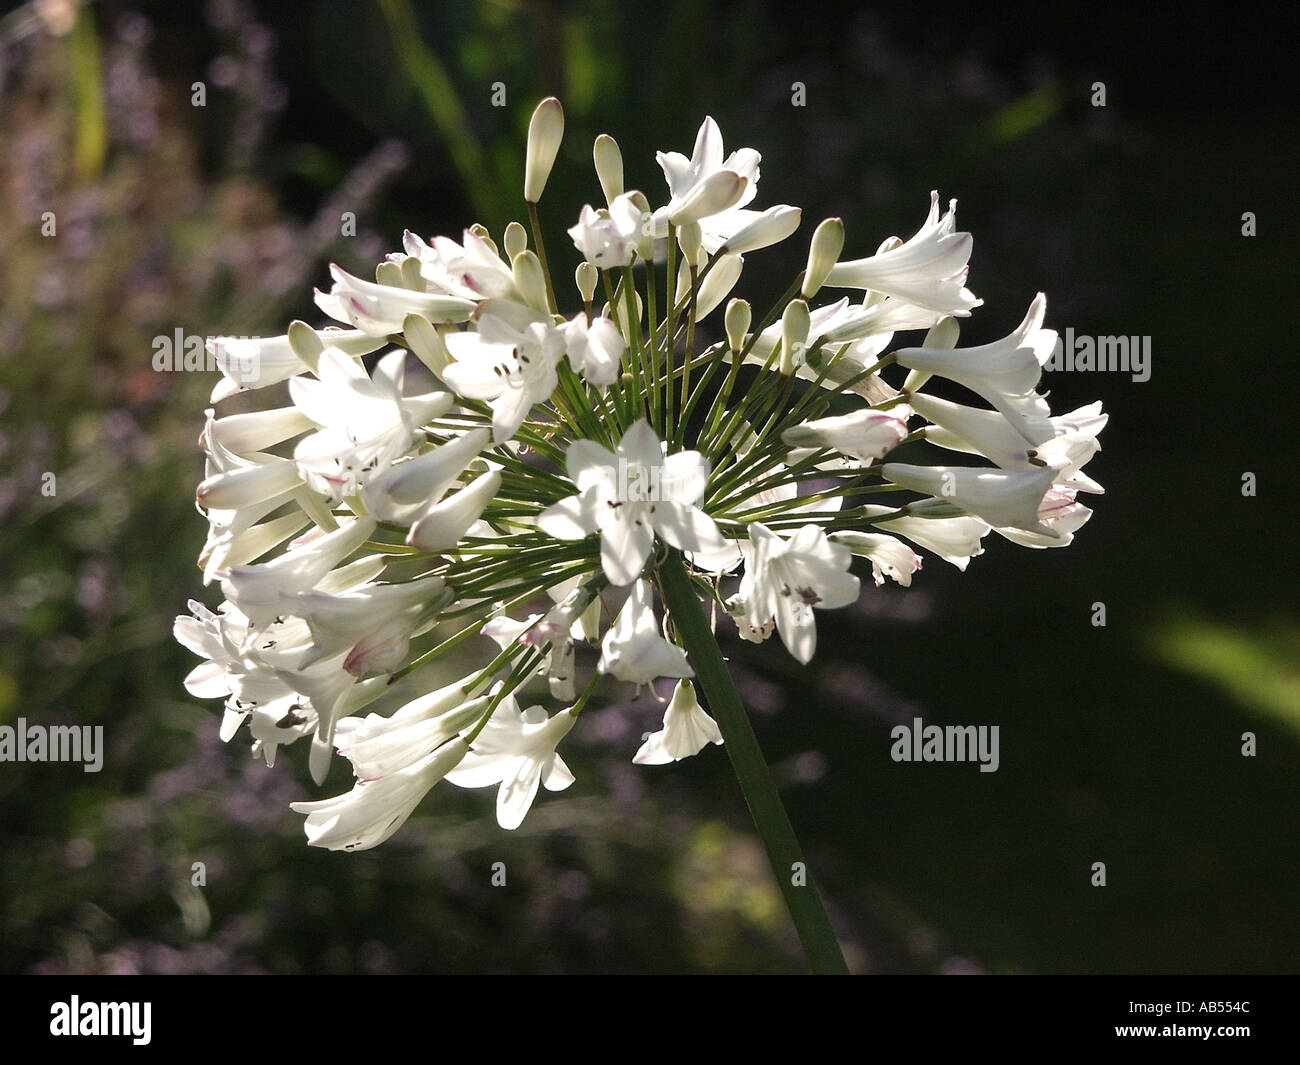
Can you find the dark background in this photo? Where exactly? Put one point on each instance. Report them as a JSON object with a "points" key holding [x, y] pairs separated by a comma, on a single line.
{"points": [[1119, 744]]}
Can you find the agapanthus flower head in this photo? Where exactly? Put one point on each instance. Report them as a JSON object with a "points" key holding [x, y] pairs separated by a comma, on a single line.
{"points": [[472, 473]]}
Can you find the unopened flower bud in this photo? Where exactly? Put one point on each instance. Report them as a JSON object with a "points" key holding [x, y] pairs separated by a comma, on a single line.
{"points": [[516, 240], [586, 276], [689, 239], [795, 323], [823, 253], [609, 166], [545, 131], [737, 319], [645, 249], [530, 280], [481, 231]]}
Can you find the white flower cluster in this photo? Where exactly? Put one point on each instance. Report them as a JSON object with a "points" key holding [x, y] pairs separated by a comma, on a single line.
{"points": [[373, 524]]}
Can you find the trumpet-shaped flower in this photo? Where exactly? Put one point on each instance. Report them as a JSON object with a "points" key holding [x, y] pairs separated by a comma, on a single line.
{"points": [[634, 649], [516, 750], [687, 730], [928, 270], [785, 579]]}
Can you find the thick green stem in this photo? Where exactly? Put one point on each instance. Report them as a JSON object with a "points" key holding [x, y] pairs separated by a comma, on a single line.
{"points": [[770, 818]]}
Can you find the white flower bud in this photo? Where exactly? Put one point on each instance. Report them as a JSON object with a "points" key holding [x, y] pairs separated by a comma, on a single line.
{"points": [[737, 319], [516, 240], [689, 239], [586, 277], [426, 343], [823, 253], [795, 323], [865, 435], [609, 166], [718, 285], [545, 131], [530, 280]]}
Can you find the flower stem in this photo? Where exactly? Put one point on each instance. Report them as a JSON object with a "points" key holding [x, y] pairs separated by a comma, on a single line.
{"points": [[773, 824], [536, 226]]}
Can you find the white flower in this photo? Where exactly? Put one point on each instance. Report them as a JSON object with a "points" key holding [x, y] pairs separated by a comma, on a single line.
{"points": [[441, 526], [988, 433], [473, 271], [377, 745], [404, 491], [258, 589], [1059, 514], [1005, 372], [373, 623], [889, 556], [767, 228], [381, 309], [998, 497], [594, 350], [857, 332], [687, 730], [609, 238], [928, 270], [955, 540], [535, 631], [365, 422], [374, 809], [865, 435], [257, 362], [630, 495], [748, 630], [634, 650], [785, 579], [512, 368], [709, 189], [517, 750]]}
